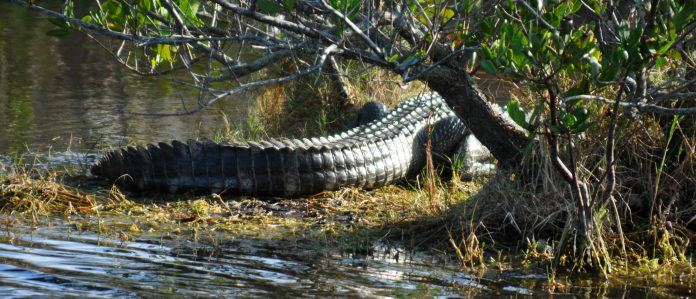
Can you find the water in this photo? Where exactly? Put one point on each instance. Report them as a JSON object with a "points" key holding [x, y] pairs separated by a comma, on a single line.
{"points": [[51, 260], [59, 260], [68, 94]]}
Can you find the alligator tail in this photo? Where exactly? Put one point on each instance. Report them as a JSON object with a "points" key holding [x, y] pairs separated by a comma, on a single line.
{"points": [[278, 168]]}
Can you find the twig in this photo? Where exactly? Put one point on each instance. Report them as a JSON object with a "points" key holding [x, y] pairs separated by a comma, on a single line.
{"points": [[355, 28], [608, 194], [675, 95], [642, 107], [536, 15], [242, 70], [316, 67], [274, 21]]}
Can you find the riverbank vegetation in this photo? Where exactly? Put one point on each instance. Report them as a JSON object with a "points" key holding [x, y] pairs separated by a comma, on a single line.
{"points": [[487, 224], [596, 176]]}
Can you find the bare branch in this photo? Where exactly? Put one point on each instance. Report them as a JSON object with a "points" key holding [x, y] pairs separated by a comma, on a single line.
{"points": [[675, 96], [258, 83], [355, 28], [641, 107], [258, 64], [536, 15], [274, 21]]}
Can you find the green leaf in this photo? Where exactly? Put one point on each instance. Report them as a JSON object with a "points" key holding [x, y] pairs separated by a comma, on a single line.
{"points": [[268, 6], [624, 55], [595, 67], [59, 22], [583, 127], [583, 87], [289, 4], [580, 114], [664, 47], [516, 114], [97, 18], [58, 32], [487, 52], [488, 66], [576, 5], [684, 16], [569, 120], [555, 130], [144, 6], [189, 9], [393, 58], [447, 14], [164, 52], [661, 62], [634, 37], [68, 9]]}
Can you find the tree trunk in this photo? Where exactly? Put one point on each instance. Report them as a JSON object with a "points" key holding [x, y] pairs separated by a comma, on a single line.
{"points": [[505, 141]]}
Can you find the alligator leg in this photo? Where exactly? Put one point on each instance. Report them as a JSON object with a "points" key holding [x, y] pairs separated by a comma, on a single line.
{"points": [[369, 112]]}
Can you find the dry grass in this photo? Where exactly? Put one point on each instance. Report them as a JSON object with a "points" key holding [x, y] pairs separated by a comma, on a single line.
{"points": [[41, 195], [303, 108]]}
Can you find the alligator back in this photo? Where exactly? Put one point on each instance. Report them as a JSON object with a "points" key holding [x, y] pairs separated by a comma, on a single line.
{"points": [[371, 155]]}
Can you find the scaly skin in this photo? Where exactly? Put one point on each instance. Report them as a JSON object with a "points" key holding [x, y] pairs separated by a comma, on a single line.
{"points": [[372, 155]]}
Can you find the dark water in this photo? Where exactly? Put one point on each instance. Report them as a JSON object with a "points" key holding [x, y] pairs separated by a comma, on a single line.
{"points": [[61, 94]]}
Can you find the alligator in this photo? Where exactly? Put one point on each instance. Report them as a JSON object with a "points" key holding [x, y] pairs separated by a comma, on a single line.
{"points": [[385, 147]]}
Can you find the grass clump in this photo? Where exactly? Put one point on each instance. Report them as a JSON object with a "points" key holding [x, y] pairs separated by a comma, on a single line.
{"points": [[22, 192]]}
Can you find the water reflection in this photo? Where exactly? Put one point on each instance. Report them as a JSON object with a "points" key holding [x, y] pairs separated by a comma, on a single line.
{"points": [[68, 94], [58, 259], [50, 260], [19, 117]]}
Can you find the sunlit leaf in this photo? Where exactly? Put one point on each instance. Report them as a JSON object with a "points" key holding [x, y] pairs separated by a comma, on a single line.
{"points": [[569, 120], [68, 9], [447, 13], [189, 9], [665, 47], [393, 58], [114, 26], [516, 114], [661, 62], [575, 6], [164, 52]]}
